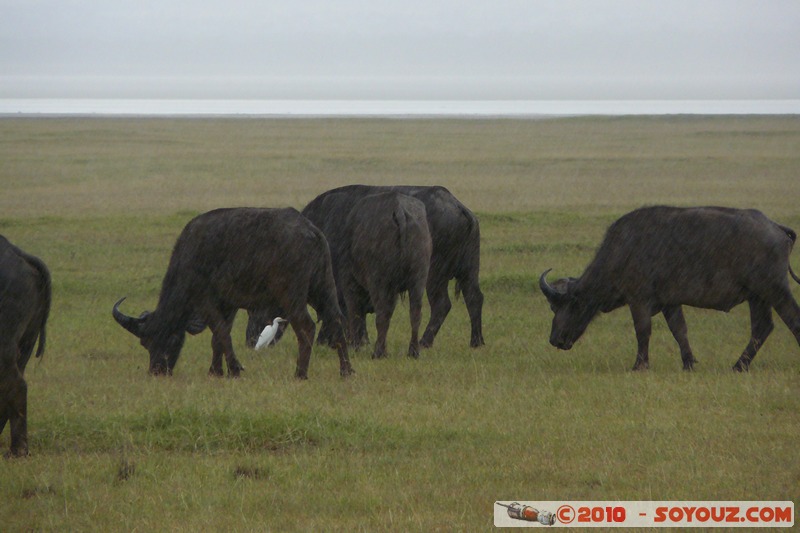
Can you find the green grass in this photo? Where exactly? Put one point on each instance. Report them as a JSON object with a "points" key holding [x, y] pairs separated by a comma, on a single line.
{"points": [[402, 445]]}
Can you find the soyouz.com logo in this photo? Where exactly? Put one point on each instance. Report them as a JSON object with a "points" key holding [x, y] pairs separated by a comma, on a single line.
{"points": [[644, 514]]}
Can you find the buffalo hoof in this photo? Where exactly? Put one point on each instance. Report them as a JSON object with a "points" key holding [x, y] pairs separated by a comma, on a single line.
{"points": [[301, 375], [476, 342], [235, 369], [640, 365], [413, 352], [426, 341], [741, 366], [215, 372], [689, 365], [379, 352], [160, 371], [346, 371], [16, 454]]}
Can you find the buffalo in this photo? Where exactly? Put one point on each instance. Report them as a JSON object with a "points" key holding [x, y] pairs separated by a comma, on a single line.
{"points": [[387, 251], [248, 258], [25, 295], [455, 235], [657, 259]]}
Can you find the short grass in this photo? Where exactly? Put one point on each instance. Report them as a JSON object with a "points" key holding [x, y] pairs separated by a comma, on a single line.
{"points": [[403, 445]]}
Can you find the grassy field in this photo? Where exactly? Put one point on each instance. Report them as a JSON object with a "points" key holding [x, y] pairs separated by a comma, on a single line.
{"points": [[403, 445]]}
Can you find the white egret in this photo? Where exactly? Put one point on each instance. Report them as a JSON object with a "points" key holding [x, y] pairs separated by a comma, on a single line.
{"points": [[269, 332]]}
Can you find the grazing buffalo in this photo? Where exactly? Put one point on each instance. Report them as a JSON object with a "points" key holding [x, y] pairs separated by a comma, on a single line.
{"points": [[247, 258], [455, 234], [24, 307], [387, 251], [656, 259]]}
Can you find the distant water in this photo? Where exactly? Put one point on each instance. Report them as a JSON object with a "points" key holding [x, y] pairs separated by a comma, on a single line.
{"points": [[393, 108]]}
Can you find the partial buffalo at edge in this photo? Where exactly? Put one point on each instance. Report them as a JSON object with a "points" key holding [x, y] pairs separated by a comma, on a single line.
{"points": [[25, 296]]}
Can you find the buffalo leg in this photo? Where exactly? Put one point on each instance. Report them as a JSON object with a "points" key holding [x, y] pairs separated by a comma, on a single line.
{"points": [[761, 326], [327, 333], [440, 306], [355, 315], [304, 330], [359, 334], [789, 311], [345, 368], [415, 313], [384, 309], [338, 341], [677, 325], [218, 351], [14, 408], [642, 324], [790, 314], [364, 307], [19, 420], [473, 298], [221, 344]]}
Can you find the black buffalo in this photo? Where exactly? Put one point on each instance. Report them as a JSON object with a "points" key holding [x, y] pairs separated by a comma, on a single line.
{"points": [[387, 251], [455, 234], [25, 294], [656, 259], [246, 258]]}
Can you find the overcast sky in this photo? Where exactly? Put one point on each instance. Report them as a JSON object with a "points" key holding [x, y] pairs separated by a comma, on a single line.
{"points": [[404, 49]]}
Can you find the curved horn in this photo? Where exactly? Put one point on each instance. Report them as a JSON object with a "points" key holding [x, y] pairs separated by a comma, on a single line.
{"points": [[550, 293], [133, 325]]}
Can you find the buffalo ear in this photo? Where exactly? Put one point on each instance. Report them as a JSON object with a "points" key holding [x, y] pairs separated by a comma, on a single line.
{"points": [[195, 326], [565, 286]]}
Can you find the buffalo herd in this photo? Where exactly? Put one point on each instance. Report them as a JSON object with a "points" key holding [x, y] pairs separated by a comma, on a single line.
{"points": [[353, 250]]}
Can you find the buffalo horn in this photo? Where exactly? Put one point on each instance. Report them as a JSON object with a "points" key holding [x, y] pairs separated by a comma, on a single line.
{"points": [[550, 293], [134, 325]]}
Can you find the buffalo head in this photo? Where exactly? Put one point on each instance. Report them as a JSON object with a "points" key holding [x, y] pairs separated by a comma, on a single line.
{"points": [[163, 344], [573, 310]]}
